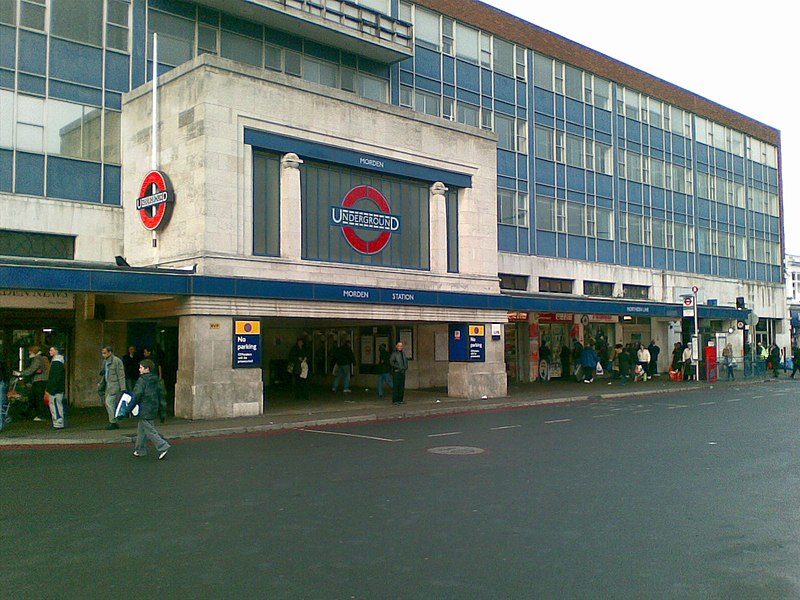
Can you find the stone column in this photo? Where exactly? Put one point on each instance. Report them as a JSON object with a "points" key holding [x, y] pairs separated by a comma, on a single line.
{"points": [[290, 210], [208, 387], [438, 228], [474, 380]]}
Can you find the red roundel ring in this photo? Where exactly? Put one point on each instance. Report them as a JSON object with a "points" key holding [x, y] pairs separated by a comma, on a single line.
{"points": [[360, 245], [149, 221]]}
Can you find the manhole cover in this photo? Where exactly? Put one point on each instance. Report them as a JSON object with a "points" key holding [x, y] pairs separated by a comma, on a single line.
{"points": [[456, 450]]}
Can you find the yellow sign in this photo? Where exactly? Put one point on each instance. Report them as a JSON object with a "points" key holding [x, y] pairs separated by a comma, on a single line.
{"points": [[477, 330], [248, 327]]}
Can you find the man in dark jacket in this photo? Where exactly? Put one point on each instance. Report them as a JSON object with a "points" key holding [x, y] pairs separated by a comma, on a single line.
{"points": [[56, 387], [147, 395], [398, 361]]}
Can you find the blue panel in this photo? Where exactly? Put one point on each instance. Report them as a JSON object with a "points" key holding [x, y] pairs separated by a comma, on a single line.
{"points": [[468, 76], [113, 100], [73, 179], [280, 143], [138, 42], [543, 119], [240, 26], [576, 179], [487, 81], [544, 171], [428, 63], [561, 244], [678, 145], [574, 111], [522, 167], [659, 258], [375, 68], [605, 186], [634, 192], [588, 118], [703, 208], [544, 102], [505, 89], [545, 243], [76, 93], [506, 163], [287, 40], [406, 78], [559, 106], [522, 94], [32, 53], [117, 66], [467, 96], [309, 47], [758, 221], [32, 84], [524, 241], [605, 251], [429, 85], [720, 159], [725, 267], [75, 62], [602, 120], [6, 170], [574, 128], [658, 198], [701, 154], [449, 70], [6, 79], [507, 183], [182, 9], [704, 264], [507, 238], [111, 185], [8, 47], [207, 15], [592, 251], [505, 108], [635, 255], [30, 174], [576, 247]]}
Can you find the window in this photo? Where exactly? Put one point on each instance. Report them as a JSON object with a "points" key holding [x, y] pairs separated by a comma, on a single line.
{"points": [[266, 204], [513, 282], [512, 208], [447, 36], [117, 24], [576, 218], [320, 71], [635, 292], [602, 93], [175, 38], [448, 109], [8, 12], [426, 28], [598, 288], [273, 58], [487, 123], [659, 233], [603, 158], [381, 6], [545, 213], [36, 245], [372, 88], [504, 127], [30, 124], [521, 62], [426, 103], [561, 216], [467, 43], [486, 50], [6, 119], [558, 286], [73, 130], [575, 151], [635, 230], [468, 114], [543, 140], [543, 72], [503, 57], [111, 137], [248, 50], [633, 166], [574, 82], [207, 41], [605, 223]]}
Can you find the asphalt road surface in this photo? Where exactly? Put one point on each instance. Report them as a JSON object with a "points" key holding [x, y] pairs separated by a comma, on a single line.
{"points": [[671, 496]]}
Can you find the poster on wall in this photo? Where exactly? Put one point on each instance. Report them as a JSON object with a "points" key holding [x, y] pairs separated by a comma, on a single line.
{"points": [[367, 350], [407, 337], [246, 344]]}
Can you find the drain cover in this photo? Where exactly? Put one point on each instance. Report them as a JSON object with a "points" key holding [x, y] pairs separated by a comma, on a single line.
{"points": [[456, 450]]}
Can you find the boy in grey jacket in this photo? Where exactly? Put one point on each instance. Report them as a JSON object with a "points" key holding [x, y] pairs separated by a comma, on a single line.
{"points": [[147, 395]]}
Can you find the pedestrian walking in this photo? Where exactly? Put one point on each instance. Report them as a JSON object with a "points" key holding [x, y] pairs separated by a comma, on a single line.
{"points": [[643, 360], [298, 367], [36, 373], [795, 360], [112, 383], [654, 350], [148, 396], [344, 359], [399, 363], [728, 361], [588, 363], [131, 363]]}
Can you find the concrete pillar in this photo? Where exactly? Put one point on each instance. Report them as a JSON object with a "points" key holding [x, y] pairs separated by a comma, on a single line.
{"points": [[474, 380], [290, 210], [208, 387], [438, 228]]}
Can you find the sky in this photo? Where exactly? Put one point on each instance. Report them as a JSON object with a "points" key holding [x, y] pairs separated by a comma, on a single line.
{"points": [[740, 54]]}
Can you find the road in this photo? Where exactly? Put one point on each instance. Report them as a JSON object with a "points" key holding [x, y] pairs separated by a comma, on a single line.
{"points": [[673, 496]]}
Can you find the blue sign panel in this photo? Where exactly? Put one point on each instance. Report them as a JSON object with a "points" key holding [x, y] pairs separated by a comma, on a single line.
{"points": [[246, 344], [467, 343]]}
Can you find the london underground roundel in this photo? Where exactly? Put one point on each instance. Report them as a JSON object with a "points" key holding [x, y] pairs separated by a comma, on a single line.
{"points": [[351, 217], [155, 196]]}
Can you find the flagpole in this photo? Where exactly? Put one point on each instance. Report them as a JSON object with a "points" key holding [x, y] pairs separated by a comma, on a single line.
{"points": [[154, 155]]}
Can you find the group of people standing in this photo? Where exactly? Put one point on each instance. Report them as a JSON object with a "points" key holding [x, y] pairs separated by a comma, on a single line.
{"points": [[392, 367], [46, 379], [585, 361]]}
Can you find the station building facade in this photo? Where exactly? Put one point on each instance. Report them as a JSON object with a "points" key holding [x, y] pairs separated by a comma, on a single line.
{"points": [[361, 172]]}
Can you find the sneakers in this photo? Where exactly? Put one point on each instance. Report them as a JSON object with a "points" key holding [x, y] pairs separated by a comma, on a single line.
{"points": [[346, 391], [38, 419], [137, 454], [162, 454]]}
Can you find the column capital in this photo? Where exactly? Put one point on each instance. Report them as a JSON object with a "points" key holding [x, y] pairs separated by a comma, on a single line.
{"points": [[438, 189], [291, 161]]}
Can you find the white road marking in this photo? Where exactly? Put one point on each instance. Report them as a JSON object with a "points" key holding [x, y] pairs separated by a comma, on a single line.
{"points": [[674, 406], [754, 397], [646, 410], [363, 437], [734, 400], [707, 403], [444, 434], [504, 427], [558, 421], [601, 416]]}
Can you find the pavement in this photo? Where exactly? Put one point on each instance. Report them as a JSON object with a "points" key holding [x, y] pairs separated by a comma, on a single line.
{"points": [[86, 426]]}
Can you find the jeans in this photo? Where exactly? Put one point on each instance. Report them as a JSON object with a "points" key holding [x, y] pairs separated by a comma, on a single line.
{"points": [[342, 374], [384, 379], [147, 432], [57, 410]]}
